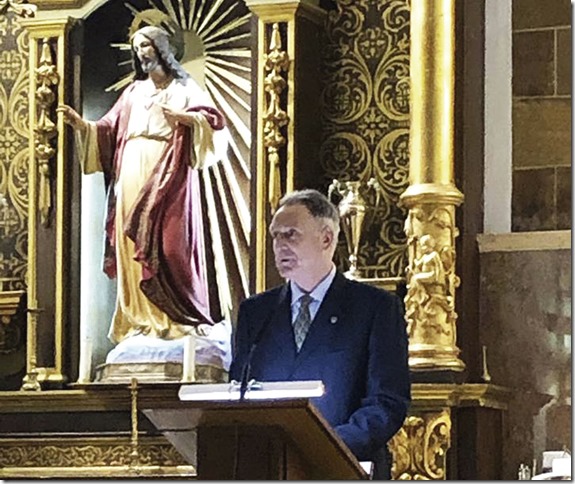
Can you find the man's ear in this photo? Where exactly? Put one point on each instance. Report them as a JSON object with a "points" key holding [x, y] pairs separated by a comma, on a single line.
{"points": [[327, 236]]}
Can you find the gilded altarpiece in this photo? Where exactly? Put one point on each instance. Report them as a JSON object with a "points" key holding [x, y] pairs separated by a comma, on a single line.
{"points": [[365, 119], [365, 109], [14, 126]]}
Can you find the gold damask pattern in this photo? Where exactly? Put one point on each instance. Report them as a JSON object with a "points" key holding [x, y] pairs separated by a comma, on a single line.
{"points": [[366, 120], [419, 449], [85, 452], [13, 152]]}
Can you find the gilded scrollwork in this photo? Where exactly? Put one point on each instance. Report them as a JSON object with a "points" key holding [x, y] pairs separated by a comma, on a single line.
{"points": [[395, 18], [3, 106], [18, 107], [347, 94], [10, 64], [373, 43], [276, 63], [100, 452], [420, 448], [348, 18], [373, 125], [346, 153], [366, 97], [16, 186], [392, 152], [391, 88]]}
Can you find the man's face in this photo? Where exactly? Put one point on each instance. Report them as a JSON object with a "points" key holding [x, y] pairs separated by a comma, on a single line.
{"points": [[146, 53], [301, 245]]}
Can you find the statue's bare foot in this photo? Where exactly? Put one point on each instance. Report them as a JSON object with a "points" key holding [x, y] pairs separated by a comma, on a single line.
{"points": [[203, 329]]}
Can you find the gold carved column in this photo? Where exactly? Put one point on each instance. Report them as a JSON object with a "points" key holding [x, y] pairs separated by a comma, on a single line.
{"points": [[282, 77], [48, 208], [432, 196]]}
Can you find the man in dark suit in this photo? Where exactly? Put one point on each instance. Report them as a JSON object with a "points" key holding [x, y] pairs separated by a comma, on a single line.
{"points": [[322, 326]]}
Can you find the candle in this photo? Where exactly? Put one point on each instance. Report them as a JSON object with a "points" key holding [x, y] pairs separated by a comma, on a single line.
{"points": [[189, 358], [85, 365]]}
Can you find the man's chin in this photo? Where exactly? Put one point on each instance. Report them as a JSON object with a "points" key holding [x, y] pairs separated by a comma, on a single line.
{"points": [[284, 271]]}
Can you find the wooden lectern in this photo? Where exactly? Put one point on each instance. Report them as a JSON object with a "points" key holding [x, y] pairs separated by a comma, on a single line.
{"points": [[257, 439]]}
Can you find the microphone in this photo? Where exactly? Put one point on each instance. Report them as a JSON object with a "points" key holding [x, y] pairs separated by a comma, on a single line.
{"points": [[246, 369]]}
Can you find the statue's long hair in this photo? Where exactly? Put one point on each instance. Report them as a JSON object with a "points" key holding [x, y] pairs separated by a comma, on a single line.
{"points": [[161, 41]]}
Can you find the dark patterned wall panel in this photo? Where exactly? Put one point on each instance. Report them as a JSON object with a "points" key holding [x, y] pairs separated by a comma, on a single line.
{"points": [[366, 120], [13, 153]]}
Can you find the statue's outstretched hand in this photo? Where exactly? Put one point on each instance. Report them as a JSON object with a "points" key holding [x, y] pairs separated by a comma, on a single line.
{"points": [[71, 117]]}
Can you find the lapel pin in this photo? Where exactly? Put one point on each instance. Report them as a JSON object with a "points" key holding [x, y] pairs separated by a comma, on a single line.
{"points": [[333, 319]]}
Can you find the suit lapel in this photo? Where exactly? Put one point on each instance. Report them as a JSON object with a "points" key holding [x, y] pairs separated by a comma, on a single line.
{"points": [[282, 331]]}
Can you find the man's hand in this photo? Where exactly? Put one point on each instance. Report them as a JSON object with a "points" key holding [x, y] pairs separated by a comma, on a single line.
{"points": [[71, 117]]}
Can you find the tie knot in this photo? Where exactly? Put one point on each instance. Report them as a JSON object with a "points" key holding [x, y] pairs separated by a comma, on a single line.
{"points": [[305, 301]]}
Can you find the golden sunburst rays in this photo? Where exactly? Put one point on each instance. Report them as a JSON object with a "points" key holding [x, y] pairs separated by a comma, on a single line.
{"points": [[211, 39]]}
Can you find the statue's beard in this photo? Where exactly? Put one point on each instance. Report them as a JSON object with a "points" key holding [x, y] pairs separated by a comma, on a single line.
{"points": [[148, 65]]}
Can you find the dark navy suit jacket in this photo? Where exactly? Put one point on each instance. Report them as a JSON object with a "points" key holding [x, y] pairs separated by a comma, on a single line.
{"points": [[357, 345]]}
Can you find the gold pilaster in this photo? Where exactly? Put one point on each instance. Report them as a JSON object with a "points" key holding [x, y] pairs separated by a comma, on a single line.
{"points": [[277, 19], [432, 195], [47, 66]]}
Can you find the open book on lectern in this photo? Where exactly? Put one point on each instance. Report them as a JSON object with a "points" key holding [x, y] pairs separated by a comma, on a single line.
{"points": [[255, 390]]}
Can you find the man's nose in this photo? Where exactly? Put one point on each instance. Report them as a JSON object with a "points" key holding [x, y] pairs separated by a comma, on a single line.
{"points": [[278, 242]]}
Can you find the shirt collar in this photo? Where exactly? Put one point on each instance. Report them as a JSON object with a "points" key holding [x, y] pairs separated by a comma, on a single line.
{"points": [[318, 292]]}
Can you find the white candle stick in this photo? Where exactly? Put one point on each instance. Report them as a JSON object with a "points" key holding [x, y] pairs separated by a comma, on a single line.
{"points": [[85, 365], [189, 358]]}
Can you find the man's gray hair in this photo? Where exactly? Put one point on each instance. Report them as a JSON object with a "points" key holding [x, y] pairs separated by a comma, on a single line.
{"points": [[317, 204], [161, 42]]}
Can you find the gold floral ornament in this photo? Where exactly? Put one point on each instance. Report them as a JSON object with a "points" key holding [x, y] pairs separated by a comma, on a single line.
{"points": [[20, 7], [275, 118], [46, 77], [420, 448]]}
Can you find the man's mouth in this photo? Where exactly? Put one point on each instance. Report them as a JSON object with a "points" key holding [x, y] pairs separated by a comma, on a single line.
{"points": [[284, 262]]}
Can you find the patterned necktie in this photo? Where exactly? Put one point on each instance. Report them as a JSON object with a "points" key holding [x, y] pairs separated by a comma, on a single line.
{"points": [[302, 321]]}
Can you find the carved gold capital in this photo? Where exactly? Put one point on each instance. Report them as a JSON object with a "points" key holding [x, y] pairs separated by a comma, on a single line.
{"points": [[419, 449]]}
